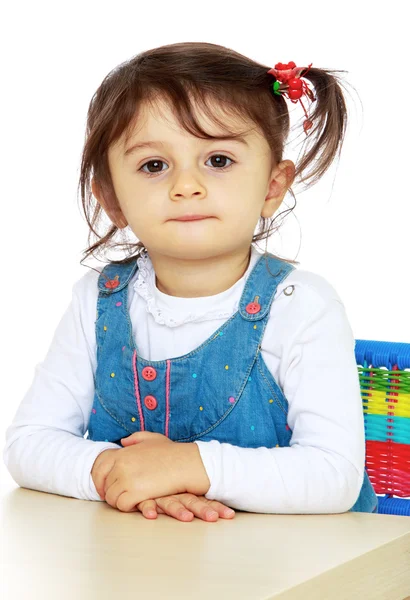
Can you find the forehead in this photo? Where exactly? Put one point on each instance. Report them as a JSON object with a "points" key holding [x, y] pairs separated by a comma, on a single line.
{"points": [[213, 118], [156, 120]]}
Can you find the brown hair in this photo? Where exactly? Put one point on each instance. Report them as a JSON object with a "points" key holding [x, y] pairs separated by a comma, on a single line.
{"points": [[207, 71]]}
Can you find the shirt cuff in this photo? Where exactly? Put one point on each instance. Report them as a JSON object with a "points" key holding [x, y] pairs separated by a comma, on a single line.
{"points": [[211, 457]]}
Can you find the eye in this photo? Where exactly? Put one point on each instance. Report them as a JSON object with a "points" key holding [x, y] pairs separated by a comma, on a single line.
{"points": [[157, 161]]}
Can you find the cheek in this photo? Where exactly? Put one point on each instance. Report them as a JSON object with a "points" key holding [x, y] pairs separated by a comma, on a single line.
{"points": [[243, 216], [146, 224]]}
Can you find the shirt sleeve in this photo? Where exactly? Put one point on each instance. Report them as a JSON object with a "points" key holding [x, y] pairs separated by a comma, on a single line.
{"points": [[323, 468], [45, 446]]}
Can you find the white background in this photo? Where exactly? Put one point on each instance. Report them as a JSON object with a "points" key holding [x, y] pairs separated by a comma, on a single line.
{"points": [[352, 227]]}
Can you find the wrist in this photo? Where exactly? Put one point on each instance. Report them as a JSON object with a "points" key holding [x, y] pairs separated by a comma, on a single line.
{"points": [[99, 458], [196, 478]]}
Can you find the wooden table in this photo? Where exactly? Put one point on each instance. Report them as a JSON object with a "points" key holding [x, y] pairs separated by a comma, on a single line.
{"points": [[58, 548]]}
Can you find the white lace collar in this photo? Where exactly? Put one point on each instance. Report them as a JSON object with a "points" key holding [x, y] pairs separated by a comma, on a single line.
{"points": [[172, 311]]}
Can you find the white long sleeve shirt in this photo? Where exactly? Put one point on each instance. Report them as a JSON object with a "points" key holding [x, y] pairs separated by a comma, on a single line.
{"points": [[308, 347]]}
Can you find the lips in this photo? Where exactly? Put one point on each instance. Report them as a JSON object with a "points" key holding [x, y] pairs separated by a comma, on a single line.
{"points": [[191, 218]]}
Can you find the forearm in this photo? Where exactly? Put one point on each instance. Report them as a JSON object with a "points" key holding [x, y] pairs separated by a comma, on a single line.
{"points": [[291, 480], [53, 461]]}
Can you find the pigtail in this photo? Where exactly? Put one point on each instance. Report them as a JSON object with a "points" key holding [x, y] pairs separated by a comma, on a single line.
{"points": [[329, 117]]}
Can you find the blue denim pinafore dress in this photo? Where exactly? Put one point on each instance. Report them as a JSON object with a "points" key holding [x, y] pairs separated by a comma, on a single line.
{"points": [[221, 391]]}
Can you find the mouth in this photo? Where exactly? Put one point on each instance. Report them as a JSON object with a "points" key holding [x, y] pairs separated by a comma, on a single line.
{"points": [[192, 218]]}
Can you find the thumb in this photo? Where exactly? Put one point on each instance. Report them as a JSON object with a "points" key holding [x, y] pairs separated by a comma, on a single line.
{"points": [[131, 439], [140, 436]]}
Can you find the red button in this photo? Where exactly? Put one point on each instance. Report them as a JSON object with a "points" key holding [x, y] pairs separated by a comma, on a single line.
{"points": [[150, 402], [253, 307], [112, 283], [149, 373]]}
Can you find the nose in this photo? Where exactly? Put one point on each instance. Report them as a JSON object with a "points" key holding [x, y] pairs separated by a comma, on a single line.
{"points": [[178, 194], [187, 185]]}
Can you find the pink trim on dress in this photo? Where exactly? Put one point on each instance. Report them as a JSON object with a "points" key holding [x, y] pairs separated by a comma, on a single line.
{"points": [[167, 399], [137, 392]]}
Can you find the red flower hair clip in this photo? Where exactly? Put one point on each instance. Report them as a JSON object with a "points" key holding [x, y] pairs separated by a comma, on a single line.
{"points": [[289, 84]]}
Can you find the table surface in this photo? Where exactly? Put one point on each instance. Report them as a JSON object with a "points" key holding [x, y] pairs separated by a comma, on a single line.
{"points": [[55, 547]]}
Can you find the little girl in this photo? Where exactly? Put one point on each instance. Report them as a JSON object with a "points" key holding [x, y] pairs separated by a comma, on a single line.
{"points": [[199, 374]]}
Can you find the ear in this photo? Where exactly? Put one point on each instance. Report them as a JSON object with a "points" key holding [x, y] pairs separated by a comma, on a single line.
{"points": [[281, 179], [111, 208]]}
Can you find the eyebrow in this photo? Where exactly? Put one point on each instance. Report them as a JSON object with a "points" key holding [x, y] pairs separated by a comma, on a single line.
{"points": [[152, 144]]}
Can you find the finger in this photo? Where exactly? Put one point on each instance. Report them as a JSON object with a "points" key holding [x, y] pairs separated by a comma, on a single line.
{"points": [[223, 511], [129, 441], [174, 508], [148, 509], [200, 506], [141, 436]]}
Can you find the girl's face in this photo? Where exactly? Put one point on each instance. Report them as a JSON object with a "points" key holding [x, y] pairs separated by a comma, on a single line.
{"points": [[230, 181]]}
